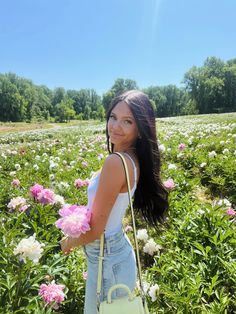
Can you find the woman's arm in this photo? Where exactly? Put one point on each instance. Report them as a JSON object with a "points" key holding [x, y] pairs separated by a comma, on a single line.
{"points": [[112, 178]]}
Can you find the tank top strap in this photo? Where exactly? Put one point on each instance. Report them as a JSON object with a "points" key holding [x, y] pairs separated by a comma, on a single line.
{"points": [[135, 169]]}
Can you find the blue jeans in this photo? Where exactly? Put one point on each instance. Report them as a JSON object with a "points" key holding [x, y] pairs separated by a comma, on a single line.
{"points": [[119, 266]]}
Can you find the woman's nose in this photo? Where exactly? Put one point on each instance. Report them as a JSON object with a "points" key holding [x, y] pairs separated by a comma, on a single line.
{"points": [[116, 124]]}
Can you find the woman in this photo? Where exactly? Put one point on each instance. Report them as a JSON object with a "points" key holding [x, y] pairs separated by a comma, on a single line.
{"points": [[130, 130]]}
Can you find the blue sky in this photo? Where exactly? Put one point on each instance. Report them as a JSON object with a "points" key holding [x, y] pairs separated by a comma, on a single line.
{"points": [[89, 44]]}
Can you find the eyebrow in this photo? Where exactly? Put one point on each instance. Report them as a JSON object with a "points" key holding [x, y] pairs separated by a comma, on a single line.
{"points": [[124, 116]]}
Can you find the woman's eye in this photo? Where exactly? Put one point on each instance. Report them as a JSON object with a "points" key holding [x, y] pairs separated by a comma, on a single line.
{"points": [[128, 122], [124, 122]]}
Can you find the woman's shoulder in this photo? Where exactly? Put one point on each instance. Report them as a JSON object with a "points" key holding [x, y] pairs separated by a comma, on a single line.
{"points": [[113, 161], [112, 174], [114, 164]]}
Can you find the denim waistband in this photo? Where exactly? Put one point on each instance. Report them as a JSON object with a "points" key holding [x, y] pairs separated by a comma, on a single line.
{"points": [[112, 238], [110, 242]]}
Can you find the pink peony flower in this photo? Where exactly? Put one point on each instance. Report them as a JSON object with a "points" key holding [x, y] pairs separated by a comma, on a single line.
{"points": [[128, 228], [100, 156], [18, 203], [46, 196], [182, 146], [15, 183], [75, 220], [169, 184], [85, 275], [84, 164], [23, 208], [79, 183], [231, 212], [35, 190], [52, 293]]}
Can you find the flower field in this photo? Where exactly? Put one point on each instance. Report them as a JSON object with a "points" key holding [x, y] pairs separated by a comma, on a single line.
{"points": [[189, 265]]}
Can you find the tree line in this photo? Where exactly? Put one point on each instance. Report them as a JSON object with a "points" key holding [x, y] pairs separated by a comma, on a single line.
{"points": [[210, 88]]}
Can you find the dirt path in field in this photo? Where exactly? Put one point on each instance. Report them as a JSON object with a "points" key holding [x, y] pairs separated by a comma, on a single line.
{"points": [[9, 129]]}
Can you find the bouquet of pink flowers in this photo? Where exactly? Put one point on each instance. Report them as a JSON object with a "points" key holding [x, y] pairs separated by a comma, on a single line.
{"points": [[75, 220]]}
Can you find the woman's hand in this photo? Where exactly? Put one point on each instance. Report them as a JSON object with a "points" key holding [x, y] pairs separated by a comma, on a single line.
{"points": [[67, 245]]}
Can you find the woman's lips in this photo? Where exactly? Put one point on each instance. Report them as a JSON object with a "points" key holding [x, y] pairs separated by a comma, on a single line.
{"points": [[115, 135]]}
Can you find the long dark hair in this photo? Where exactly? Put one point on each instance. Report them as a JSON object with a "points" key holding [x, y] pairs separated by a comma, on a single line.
{"points": [[151, 197]]}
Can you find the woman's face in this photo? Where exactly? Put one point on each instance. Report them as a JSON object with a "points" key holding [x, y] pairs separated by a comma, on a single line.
{"points": [[122, 127]]}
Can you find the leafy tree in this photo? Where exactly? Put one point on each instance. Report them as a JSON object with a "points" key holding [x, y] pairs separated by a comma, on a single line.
{"points": [[94, 115], [87, 112], [33, 102], [107, 99], [167, 100], [230, 86], [59, 94], [101, 113], [64, 110], [12, 104], [120, 86], [212, 87], [83, 98]]}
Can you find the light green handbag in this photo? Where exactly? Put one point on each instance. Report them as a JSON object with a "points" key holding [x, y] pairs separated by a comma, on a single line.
{"points": [[130, 304], [124, 305]]}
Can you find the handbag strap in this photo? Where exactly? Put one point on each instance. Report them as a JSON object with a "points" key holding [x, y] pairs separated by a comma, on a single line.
{"points": [[101, 255]]}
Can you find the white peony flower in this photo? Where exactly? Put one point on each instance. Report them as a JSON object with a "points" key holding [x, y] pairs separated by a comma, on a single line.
{"points": [[142, 235], [212, 154], [62, 186], [201, 212], [58, 199], [190, 140], [180, 155], [225, 151], [51, 177], [162, 147], [53, 165], [18, 167], [36, 167], [224, 203], [153, 292], [29, 248], [100, 156], [146, 285], [151, 247], [172, 166]]}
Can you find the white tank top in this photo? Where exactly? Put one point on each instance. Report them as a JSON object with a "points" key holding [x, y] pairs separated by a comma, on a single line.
{"points": [[114, 222]]}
